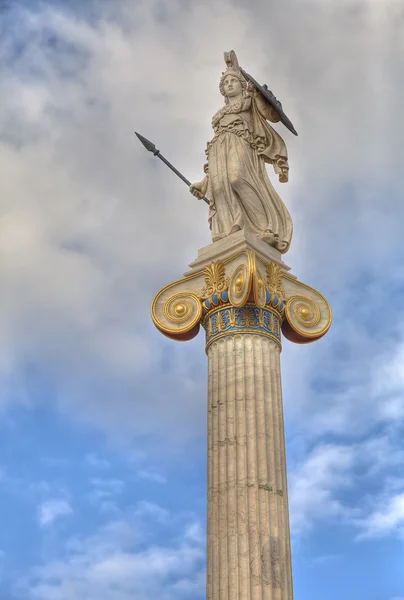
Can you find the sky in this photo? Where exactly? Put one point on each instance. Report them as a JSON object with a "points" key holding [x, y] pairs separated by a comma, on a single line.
{"points": [[102, 419]]}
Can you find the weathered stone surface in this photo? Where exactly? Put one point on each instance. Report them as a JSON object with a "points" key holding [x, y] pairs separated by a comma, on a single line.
{"points": [[248, 540]]}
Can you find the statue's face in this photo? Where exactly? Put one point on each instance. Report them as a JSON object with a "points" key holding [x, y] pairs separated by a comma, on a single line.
{"points": [[232, 86]]}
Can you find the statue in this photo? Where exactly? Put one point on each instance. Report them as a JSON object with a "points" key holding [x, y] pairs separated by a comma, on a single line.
{"points": [[236, 182]]}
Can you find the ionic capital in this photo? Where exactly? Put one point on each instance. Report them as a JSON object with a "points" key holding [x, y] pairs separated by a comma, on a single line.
{"points": [[243, 293]]}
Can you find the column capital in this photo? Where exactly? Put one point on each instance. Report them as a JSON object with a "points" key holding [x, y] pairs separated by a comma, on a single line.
{"points": [[246, 274]]}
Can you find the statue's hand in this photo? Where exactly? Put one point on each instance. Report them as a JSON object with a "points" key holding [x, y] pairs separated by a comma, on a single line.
{"points": [[199, 189], [251, 89]]}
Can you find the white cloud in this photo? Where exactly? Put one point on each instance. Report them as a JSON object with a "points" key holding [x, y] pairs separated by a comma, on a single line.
{"points": [[359, 485], [91, 223], [194, 533], [151, 476], [105, 494], [388, 384], [324, 559], [386, 519], [314, 485], [152, 511], [53, 509], [96, 462], [107, 487], [113, 562], [83, 258]]}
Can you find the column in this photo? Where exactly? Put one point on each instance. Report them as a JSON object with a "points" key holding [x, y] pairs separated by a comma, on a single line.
{"points": [[243, 296], [248, 547]]}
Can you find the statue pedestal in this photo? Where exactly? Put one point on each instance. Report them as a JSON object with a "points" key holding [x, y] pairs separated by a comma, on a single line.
{"points": [[240, 290], [230, 246]]}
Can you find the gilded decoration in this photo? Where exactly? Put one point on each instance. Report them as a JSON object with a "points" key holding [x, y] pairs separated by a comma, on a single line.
{"points": [[183, 310], [274, 280], [215, 279], [220, 323], [248, 317], [232, 317], [305, 322], [246, 320], [241, 281], [240, 285], [260, 295]]}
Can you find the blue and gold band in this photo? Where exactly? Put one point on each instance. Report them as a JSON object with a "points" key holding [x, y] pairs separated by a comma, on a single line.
{"points": [[246, 320]]}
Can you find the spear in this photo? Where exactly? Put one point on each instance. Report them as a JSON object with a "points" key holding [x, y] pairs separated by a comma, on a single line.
{"points": [[152, 148]]}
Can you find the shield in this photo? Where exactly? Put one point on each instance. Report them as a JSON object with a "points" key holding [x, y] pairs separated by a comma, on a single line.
{"points": [[268, 95]]}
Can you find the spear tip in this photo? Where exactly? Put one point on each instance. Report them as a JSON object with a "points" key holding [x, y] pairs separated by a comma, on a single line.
{"points": [[146, 143]]}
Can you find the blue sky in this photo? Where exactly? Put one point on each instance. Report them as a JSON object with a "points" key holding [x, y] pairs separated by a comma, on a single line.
{"points": [[102, 420]]}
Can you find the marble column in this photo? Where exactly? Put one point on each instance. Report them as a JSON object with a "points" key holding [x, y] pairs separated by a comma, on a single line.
{"points": [[240, 291], [248, 547]]}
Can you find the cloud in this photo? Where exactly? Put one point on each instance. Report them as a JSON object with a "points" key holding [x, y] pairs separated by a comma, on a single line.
{"points": [[96, 462], [53, 509], [113, 562], [151, 511], [92, 226], [107, 487], [82, 257], [313, 486], [386, 519], [151, 476], [324, 559], [388, 384], [359, 485], [105, 493]]}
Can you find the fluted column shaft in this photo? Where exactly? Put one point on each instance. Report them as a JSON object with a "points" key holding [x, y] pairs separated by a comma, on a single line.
{"points": [[248, 538]]}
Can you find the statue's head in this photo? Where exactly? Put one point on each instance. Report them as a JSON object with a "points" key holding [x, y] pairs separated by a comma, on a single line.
{"points": [[232, 83]]}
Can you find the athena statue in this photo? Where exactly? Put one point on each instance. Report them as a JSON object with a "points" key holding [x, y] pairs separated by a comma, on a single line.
{"points": [[236, 182]]}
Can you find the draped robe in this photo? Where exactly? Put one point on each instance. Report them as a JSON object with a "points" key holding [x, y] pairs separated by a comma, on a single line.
{"points": [[241, 193]]}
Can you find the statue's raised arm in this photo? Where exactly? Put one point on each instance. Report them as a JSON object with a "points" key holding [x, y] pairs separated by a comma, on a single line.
{"points": [[267, 111], [241, 194]]}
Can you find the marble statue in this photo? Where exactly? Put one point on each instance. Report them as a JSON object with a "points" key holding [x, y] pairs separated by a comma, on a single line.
{"points": [[236, 182]]}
